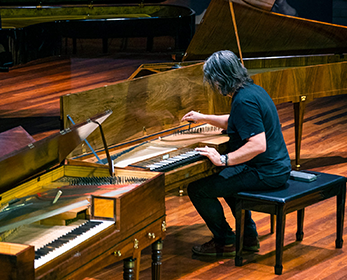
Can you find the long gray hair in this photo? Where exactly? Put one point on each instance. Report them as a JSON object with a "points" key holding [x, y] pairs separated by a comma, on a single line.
{"points": [[225, 73]]}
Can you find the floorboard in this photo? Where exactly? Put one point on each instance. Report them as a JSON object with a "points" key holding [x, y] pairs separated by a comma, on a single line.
{"points": [[30, 98]]}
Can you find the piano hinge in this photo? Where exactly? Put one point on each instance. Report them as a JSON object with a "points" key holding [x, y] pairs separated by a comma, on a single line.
{"points": [[31, 146], [64, 131], [163, 226]]}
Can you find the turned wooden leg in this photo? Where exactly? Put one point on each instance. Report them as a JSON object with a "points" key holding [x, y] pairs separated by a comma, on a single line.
{"points": [[156, 259], [299, 110], [128, 269]]}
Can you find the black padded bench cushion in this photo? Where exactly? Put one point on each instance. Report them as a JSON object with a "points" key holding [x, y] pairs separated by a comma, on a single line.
{"points": [[295, 196], [295, 189]]}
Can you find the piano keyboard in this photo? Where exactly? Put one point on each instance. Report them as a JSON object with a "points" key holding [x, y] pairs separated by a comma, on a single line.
{"points": [[176, 161], [68, 241]]}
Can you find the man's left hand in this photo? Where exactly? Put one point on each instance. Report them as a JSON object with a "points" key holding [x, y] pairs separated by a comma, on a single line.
{"points": [[212, 154]]}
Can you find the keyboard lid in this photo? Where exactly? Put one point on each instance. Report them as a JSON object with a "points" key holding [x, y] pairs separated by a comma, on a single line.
{"points": [[44, 154]]}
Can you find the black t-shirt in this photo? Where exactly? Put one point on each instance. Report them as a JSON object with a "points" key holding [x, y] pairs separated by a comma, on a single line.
{"points": [[253, 112]]}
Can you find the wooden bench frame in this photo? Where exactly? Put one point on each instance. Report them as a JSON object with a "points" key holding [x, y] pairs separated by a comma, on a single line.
{"points": [[295, 197]]}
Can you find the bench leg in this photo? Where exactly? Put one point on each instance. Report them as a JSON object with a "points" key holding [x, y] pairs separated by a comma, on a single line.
{"points": [[240, 224], [280, 225], [272, 223], [300, 225], [340, 206]]}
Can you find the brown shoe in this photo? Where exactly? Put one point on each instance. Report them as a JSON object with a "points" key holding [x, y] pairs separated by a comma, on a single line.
{"points": [[251, 244], [212, 248]]}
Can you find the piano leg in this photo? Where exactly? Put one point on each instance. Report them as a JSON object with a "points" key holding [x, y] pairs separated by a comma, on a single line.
{"points": [[137, 265], [156, 259], [128, 269], [299, 110]]}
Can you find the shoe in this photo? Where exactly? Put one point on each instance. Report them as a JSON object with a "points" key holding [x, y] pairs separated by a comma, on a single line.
{"points": [[251, 244], [212, 248]]}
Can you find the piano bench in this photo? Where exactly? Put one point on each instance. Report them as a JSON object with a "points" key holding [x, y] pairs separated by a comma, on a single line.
{"points": [[295, 196]]}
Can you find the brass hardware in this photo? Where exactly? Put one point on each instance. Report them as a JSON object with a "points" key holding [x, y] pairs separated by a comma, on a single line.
{"points": [[151, 235], [180, 192], [144, 131], [163, 226], [118, 253], [303, 98], [136, 243]]}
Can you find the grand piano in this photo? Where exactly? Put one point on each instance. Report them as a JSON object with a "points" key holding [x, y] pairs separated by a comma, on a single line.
{"points": [[65, 221], [296, 60], [32, 29]]}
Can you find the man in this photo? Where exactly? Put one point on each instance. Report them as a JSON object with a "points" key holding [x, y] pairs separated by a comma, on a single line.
{"points": [[258, 157]]}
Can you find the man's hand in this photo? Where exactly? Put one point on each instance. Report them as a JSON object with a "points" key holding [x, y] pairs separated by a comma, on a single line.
{"points": [[212, 154], [194, 117]]}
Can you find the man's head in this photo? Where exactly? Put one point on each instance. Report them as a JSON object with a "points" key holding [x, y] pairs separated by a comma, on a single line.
{"points": [[224, 72]]}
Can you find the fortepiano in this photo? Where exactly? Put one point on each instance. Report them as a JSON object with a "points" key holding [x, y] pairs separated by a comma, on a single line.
{"points": [[66, 221], [296, 60], [32, 29]]}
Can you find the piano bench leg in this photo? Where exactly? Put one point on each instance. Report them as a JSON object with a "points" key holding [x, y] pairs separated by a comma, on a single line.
{"points": [[156, 259], [129, 269]]}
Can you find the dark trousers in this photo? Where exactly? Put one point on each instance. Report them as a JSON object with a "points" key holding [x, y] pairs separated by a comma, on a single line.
{"points": [[204, 195]]}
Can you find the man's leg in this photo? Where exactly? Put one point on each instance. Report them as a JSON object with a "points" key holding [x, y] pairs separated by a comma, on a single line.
{"points": [[204, 195]]}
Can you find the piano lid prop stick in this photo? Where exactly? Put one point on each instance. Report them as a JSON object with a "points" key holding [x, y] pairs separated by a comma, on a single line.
{"points": [[57, 196], [110, 162], [235, 29]]}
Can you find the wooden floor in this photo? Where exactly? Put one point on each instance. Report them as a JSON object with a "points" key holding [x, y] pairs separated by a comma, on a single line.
{"points": [[30, 97]]}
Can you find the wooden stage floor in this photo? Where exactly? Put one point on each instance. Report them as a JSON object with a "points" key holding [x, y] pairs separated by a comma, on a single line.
{"points": [[30, 97]]}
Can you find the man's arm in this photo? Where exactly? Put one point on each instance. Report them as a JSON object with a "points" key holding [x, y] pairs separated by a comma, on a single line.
{"points": [[220, 121], [254, 146]]}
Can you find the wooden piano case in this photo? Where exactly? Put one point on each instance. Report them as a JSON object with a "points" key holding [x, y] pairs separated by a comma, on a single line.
{"points": [[138, 204], [296, 60], [17, 261]]}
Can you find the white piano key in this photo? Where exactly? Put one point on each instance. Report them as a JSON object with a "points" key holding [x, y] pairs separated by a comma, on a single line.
{"points": [[72, 243]]}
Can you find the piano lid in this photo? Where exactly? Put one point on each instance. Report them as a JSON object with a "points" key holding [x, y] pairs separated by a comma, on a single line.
{"points": [[46, 153], [262, 33]]}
